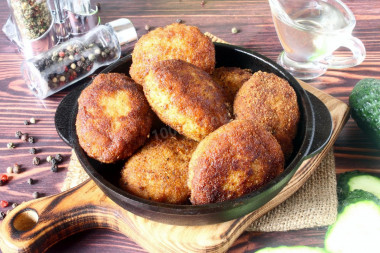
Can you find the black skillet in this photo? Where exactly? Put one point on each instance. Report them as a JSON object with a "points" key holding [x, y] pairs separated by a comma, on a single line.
{"points": [[313, 134]]}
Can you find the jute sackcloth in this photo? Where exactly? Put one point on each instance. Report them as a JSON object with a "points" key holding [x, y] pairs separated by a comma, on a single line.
{"points": [[313, 205]]}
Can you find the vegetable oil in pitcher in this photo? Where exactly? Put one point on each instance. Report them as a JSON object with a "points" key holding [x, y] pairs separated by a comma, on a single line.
{"points": [[310, 32]]}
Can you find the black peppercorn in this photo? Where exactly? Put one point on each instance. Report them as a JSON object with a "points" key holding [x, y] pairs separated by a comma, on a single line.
{"points": [[18, 134], [48, 62], [53, 161], [31, 139], [78, 70], [26, 122], [58, 157], [24, 137], [179, 21], [30, 181], [32, 151], [54, 168], [36, 160]]}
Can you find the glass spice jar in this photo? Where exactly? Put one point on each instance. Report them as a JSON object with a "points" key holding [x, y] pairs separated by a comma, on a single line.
{"points": [[77, 58], [33, 20], [32, 17]]}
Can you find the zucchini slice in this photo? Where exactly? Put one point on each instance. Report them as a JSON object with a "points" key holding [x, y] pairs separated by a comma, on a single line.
{"points": [[357, 228], [352, 180]]}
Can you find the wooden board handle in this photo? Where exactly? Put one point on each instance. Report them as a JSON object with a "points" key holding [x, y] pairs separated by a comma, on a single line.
{"points": [[37, 225]]}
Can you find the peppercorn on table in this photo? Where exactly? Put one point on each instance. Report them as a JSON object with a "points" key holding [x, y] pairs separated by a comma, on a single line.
{"points": [[28, 136]]}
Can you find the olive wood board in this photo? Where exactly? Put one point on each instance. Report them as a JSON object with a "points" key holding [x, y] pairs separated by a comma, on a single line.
{"points": [[36, 225]]}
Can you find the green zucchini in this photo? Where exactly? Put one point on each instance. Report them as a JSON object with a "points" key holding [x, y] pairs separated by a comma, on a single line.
{"points": [[352, 180], [364, 101], [292, 249], [357, 227]]}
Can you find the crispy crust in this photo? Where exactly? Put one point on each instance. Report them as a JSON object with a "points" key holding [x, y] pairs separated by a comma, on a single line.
{"points": [[271, 101], [175, 41], [236, 159], [231, 79], [159, 171], [186, 98], [113, 118]]}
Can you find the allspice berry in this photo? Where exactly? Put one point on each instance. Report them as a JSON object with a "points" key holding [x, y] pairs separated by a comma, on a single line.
{"points": [[9, 170], [36, 195], [36, 160]]}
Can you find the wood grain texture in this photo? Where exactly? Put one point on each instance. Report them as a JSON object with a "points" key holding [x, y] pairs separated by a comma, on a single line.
{"points": [[352, 149], [85, 207]]}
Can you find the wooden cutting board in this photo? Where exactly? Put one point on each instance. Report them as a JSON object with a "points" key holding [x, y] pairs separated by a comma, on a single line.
{"points": [[38, 224]]}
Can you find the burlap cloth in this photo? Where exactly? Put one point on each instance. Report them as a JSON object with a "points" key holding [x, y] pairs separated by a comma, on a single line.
{"points": [[313, 205]]}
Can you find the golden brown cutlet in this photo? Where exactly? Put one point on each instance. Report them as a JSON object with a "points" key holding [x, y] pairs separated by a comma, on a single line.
{"points": [[271, 101], [186, 98], [175, 41], [234, 160], [159, 170], [231, 79], [113, 118]]}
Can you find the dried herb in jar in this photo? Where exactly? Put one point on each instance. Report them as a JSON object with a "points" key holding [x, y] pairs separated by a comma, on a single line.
{"points": [[32, 17]]}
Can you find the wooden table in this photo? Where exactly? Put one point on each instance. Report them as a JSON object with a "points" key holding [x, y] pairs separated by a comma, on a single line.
{"points": [[353, 149]]}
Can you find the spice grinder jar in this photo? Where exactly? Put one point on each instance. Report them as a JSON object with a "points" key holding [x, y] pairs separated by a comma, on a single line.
{"points": [[34, 25], [77, 58]]}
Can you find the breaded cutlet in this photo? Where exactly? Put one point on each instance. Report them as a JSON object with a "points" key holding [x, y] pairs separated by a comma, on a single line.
{"points": [[159, 170], [175, 41], [186, 98], [114, 118], [271, 101], [236, 159]]}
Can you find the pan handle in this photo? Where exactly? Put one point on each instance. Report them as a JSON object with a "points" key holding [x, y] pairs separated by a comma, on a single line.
{"points": [[36, 225], [323, 127]]}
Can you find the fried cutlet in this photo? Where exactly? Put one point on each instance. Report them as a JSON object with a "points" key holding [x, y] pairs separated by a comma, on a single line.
{"points": [[271, 101], [175, 41], [159, 171], [186, 98], [231, 79], [114, 118], [236, 159]]}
